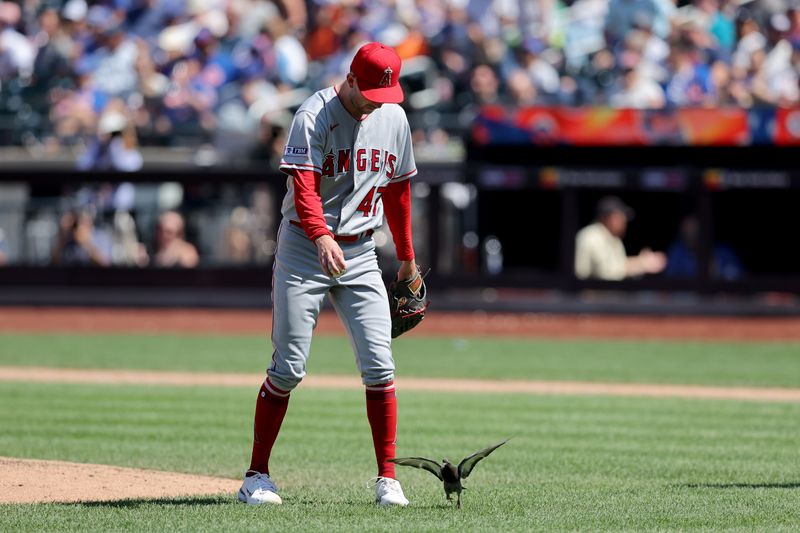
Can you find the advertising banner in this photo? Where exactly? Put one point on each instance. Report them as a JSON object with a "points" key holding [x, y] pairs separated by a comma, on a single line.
{"points": [[604, 126]]}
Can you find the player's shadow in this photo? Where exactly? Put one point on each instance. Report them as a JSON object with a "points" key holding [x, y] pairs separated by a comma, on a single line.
{"points": [[795, 485], [204, 501], [139, 502]]}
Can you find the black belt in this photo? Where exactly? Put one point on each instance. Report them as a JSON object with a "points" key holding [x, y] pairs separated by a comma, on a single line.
{"points": [[341, 238]]}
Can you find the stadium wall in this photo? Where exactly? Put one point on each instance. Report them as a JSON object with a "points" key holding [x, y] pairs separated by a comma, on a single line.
{"points": [[497, 232]]}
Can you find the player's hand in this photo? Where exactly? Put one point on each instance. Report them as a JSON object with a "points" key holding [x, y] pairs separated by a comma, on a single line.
{"points": [[407, 270], [331, 258]]}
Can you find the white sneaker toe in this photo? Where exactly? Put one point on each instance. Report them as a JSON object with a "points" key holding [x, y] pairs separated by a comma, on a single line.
{"points": [[258, 489], [389, 492]]}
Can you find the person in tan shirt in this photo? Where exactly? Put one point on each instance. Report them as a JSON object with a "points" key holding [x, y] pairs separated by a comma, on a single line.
{"points": [[600, 252]]}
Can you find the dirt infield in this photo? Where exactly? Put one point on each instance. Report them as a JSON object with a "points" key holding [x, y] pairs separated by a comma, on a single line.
{"points": [[34, 481], [97, 320], [475, 386]]}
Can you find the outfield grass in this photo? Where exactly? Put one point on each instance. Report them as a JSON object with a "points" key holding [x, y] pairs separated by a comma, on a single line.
{"points": [[573, 463], [712, 363]]}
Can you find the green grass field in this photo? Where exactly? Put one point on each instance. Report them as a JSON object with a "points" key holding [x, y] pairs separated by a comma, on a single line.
{"points": [[574, 463], [710, 363]]}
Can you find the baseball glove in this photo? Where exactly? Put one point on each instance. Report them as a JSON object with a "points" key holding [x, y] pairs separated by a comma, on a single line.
{"points": [[408, 301]]}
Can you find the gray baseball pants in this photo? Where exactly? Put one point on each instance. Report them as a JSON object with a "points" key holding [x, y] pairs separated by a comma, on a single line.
{"points": [[359, 297]]}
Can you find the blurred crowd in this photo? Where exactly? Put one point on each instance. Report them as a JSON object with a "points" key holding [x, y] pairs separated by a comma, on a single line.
{"points": [[162, 225], [103, 76]]}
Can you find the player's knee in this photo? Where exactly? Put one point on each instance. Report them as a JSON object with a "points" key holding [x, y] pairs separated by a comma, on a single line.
{"points": [[283, 381], [377, 376]]}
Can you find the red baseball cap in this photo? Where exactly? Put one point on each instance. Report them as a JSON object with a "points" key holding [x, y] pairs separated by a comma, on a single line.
{"points": [[377, 70]]}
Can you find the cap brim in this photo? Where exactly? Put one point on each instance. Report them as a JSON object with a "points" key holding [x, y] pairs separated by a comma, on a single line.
{"points": [[383, 95]]}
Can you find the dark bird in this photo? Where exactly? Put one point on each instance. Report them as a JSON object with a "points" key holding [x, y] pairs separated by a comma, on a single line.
{"points": [[450, 474]]}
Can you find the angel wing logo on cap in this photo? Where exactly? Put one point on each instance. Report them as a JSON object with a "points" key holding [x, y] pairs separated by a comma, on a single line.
{"points": [[386, 80]]}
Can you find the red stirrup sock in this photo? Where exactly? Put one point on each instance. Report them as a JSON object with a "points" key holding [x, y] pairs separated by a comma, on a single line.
{"points": [[270, 409], [382, 415]]}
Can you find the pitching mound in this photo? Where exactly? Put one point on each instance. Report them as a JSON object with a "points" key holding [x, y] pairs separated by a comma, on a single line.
{"points": [[33, 481]]}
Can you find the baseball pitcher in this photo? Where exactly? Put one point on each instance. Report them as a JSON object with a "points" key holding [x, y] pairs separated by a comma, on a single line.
{"points": [[349, 160]]}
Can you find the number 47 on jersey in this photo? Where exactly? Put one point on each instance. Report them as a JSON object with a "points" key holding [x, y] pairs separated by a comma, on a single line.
{"points": [[369, 205]]}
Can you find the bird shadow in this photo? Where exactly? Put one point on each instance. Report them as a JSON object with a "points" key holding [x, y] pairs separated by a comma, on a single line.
{"points": [[794, 485], [435, 506]]}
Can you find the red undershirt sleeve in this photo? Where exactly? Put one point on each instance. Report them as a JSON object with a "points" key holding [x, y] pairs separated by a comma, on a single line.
{"points": [[397, 206], [308, 204]]}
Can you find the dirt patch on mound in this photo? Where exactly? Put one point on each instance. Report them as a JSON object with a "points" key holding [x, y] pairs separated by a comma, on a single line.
{"points": [[36, 481]]}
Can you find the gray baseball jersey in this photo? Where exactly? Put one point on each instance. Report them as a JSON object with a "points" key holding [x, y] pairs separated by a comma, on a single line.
{"points": [[357, 159]]}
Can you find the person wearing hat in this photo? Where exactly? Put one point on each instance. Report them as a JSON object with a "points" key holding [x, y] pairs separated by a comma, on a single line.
{"points": [[115, 147], [349, 160], [600, 252]]}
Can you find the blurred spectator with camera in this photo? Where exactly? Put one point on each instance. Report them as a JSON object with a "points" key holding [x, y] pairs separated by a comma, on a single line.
{"points": [[600, 252], [79, 243], [172, 249]]}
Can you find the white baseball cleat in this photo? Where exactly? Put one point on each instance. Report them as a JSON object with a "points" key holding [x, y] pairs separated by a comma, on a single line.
{"points": [[258, 488], [389, 492]]}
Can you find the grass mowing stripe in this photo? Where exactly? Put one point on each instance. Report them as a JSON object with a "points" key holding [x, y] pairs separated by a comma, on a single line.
{"points": [[574, 463], [711, 363]]}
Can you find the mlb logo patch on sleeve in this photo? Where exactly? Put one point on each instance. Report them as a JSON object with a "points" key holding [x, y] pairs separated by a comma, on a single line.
{"points": [[295, 150]]}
